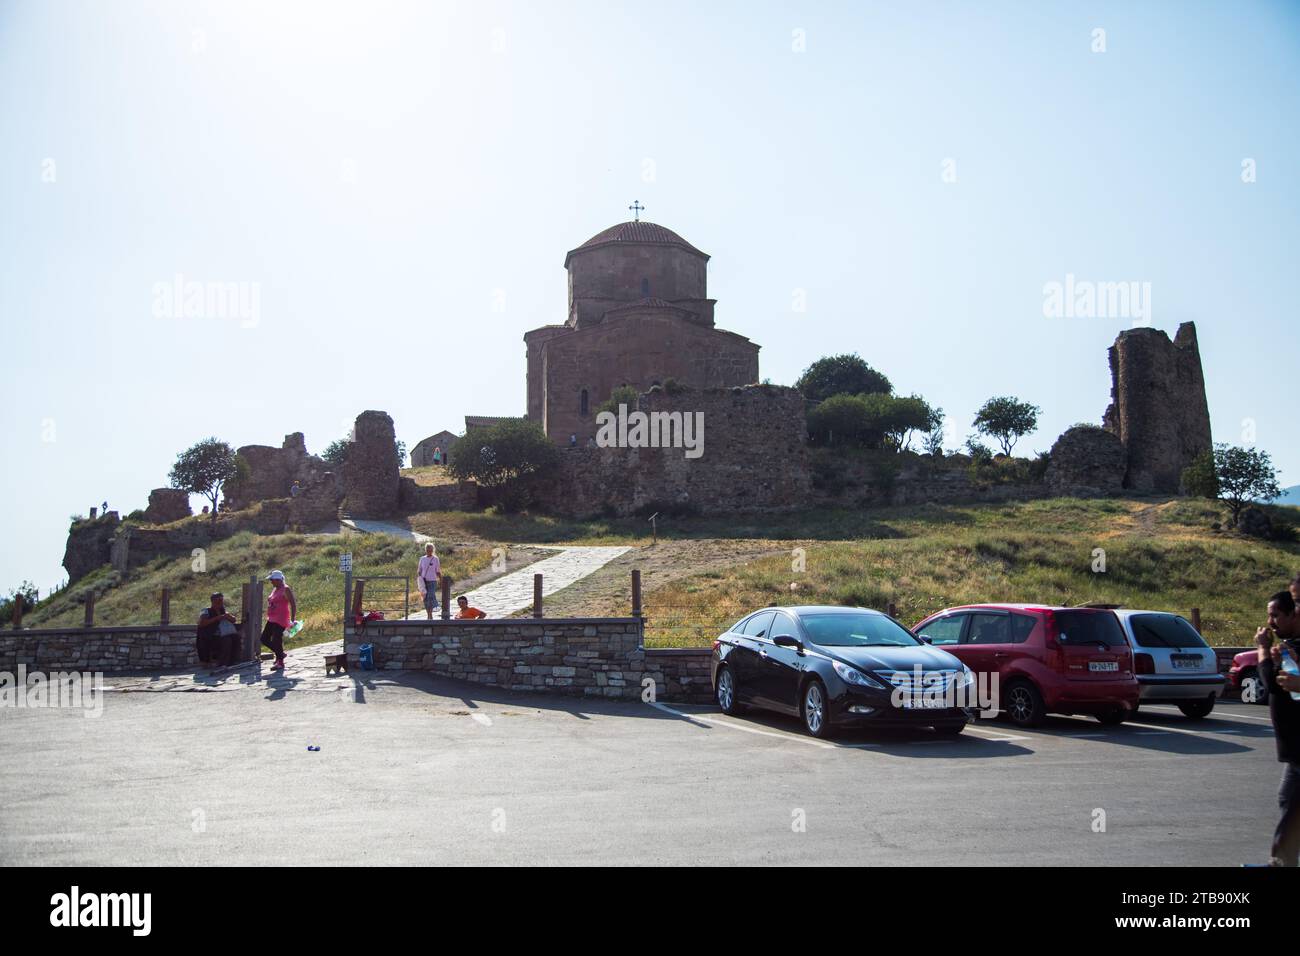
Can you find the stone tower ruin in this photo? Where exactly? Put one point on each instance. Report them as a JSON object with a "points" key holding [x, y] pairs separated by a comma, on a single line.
{"points": [[1157, 406]]}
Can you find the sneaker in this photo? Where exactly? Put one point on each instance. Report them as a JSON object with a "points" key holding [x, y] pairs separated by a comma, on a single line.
{"points": [[278, 665]]}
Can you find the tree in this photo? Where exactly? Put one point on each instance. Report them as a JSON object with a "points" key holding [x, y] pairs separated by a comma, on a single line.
{"points": [[1200, 479], [841, 418], [25, 593], [1243, 475], [509, 458], [934, 434], [204, 469], [840, 375], [907, 415], [624, 395], [1006, 419]]}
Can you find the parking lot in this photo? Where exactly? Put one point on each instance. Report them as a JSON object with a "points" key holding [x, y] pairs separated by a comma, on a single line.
{"points": [[417, 769]]}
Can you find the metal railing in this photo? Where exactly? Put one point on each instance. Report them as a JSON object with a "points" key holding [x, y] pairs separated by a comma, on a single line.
{"points": [[390, 594]]}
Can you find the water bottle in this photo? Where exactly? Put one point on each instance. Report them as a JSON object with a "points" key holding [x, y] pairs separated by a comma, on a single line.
{"points": [[293, 629], [1290, 667]]}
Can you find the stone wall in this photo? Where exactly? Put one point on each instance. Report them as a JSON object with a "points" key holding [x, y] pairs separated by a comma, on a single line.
{"points": [[1087, 461], [461, 496], [1158, 407], [134, 547], [89, 545], [754, 459], [681, 673], [108, 649], [590, 657], [272, 471], [371, 478], [167, 505]]}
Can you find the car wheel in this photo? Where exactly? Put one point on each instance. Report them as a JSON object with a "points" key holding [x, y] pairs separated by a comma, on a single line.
{"points": [[1253, 689], [950, 730], [1024, 704], [725, 692], [1114, 717], [1196, 709], [815, 709]]}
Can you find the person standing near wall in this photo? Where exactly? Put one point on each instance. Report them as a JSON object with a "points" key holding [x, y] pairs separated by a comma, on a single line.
{"points": [[1284, 624], [281, 609], [428, 579]]}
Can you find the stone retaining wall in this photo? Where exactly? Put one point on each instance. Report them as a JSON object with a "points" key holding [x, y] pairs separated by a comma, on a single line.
{"points": [[681, 673], [108, 649], [593, 657]]}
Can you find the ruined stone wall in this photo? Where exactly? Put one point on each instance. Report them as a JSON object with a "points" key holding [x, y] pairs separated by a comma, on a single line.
{"points": [[461, 496], [1087, 461], [635, 350], [167, 505], [754, 459], [89, 545], [272, 472], [371, 476], [1158, 408]]}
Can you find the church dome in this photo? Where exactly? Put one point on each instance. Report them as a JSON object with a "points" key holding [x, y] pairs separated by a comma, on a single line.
{"points": [[640, 233]]}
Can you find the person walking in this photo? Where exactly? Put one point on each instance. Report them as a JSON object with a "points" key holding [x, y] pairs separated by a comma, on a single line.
{"points": [[281, 609], [1284, 622], [429, 579]]}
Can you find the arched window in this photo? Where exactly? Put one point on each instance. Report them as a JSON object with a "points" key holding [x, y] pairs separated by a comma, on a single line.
{"points": [[582, 404], [645, 288]]}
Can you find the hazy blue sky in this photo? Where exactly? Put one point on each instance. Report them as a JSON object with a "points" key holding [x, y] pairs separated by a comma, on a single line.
{"points": [[401, 183]]}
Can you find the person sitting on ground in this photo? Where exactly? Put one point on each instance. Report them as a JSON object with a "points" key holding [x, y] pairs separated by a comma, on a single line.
{"points": [[216, 634], [428, 578], [467, 613]]}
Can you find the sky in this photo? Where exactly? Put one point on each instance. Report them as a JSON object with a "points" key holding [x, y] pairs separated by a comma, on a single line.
{"points": [[394, 188]]}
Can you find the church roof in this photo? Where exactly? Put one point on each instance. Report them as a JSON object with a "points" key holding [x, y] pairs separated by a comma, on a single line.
{"points": [[645, 233]]}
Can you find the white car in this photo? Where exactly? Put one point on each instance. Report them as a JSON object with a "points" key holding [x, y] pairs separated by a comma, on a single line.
{"points": [[1172, 662]]}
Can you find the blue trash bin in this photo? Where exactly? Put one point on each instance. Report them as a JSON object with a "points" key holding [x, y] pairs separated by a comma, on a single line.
{"points": [[367, 657]]}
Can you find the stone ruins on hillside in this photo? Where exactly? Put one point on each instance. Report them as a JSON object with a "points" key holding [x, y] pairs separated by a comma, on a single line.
{"points": [[1158, 408], [1087, 461], [371, 476], [272, 472]]}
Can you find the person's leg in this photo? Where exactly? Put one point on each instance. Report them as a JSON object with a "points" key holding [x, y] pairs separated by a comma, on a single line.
{"points": [[273, 638], [1286, 838], [428, 603]]}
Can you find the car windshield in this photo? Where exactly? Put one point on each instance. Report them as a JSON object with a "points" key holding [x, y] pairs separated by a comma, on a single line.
{"points": [[1164, 630], [856, 630]]}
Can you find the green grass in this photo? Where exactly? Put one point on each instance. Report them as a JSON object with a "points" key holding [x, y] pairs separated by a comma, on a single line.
{"points": [[1159, 555], [309, 562]]}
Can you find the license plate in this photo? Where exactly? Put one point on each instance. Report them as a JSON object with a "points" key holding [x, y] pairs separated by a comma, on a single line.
{"points": [[921, 703], [1185, 662], [1103, 665]]}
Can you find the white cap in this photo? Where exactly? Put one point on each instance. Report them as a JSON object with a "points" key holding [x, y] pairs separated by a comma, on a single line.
{"points": [[275, 576]]}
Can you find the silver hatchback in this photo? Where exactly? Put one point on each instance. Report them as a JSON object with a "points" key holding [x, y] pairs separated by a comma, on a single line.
{"points": [[1172, 662]]}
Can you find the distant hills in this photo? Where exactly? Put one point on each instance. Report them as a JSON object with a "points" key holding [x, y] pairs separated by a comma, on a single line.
{"points": [[1289, 496]]}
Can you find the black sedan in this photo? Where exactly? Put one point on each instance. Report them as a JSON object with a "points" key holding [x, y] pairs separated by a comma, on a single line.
{"points": [[838, 666]]}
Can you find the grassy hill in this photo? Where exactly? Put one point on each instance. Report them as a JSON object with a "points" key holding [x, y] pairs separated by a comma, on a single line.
{"points": [[309, 562], [705, 572]]}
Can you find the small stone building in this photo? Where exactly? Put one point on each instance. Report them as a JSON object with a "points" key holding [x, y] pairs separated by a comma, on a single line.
{"points": [[422, 453], [639, 315]]}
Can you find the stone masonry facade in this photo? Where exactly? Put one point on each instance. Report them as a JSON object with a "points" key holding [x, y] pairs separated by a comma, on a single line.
{"points": [[107, 649], [755, 459], [591, 657]]}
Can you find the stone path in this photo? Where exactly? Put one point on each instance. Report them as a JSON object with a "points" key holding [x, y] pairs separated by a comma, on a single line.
{"points": [[512, 592], [385, 527], [304, 669]]}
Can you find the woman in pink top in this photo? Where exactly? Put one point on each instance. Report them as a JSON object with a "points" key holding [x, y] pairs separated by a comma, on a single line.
{"points": [[281, 609]]}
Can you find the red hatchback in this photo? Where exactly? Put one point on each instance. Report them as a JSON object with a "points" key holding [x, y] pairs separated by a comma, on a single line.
{"points": [[1060, 660]]}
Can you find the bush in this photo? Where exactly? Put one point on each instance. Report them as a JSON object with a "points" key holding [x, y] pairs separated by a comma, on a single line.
{"points": [[840, 375], [509, 459]]}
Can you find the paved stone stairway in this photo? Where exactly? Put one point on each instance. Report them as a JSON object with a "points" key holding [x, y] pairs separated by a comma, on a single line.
{"points": [[512, 592]]}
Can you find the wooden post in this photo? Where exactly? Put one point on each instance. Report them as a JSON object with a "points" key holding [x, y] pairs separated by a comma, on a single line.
{"points": [[446, 597], [90, 609], [255, 608], [537, 595], [93, 513], [246, 618], [166, 610], [1196, 619], [358, 596], [892, 610], [636, 592], [18, 611]]}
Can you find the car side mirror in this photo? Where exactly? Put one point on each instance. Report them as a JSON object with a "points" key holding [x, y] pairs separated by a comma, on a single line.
{"points": [[785, 640]]}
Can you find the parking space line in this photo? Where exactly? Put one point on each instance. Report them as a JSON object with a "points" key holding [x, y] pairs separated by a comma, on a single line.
{"points": [[1218, 714], [714, 722], [1175, 730]]}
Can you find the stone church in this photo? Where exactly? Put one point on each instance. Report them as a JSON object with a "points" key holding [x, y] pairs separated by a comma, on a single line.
{"points": [[639, 315]]}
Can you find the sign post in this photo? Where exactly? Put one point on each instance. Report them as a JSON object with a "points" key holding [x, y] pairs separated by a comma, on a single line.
{"points": [[345, 565]]}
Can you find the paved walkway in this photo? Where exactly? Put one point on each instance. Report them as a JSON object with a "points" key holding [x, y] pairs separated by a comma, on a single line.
{"points": [[385, 527], [304, 669], [512, 592]]}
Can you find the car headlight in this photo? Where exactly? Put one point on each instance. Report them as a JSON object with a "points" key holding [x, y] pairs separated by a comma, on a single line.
{"points": [[851, 675]]}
